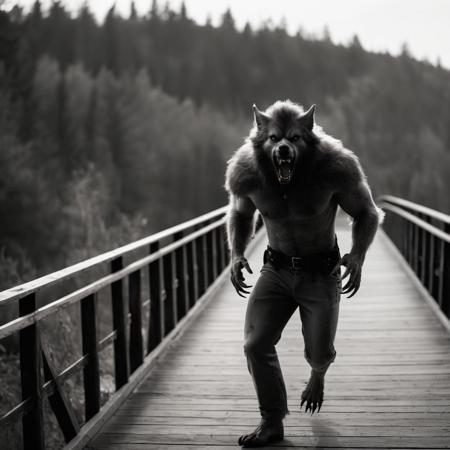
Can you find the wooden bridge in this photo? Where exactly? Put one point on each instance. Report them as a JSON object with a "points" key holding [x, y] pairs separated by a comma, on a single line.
{"points": [[186, 384]]}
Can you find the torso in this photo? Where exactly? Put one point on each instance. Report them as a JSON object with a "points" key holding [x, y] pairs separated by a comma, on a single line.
{"points": [[299, 219]]}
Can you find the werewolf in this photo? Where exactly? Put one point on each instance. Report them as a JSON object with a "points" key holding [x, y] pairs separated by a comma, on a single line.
{"points": [[296, 176]]}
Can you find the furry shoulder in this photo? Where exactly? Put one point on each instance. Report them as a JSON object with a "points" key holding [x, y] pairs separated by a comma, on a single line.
{"points": [[242, 175], [341, 164]]}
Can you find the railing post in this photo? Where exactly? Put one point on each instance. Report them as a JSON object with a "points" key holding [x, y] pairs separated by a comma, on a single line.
{"points": [[220, 250], [405, 240], [214, 253], [409, 232], [156, 330], [419, 248], [204, 257], [432, 267], [182, 276], [200, 266], [424, 255], [226, 253], [193, 272], [415, 248], [31, 378], [209, 257], [121, 363], [135, 306], [91, 374], [170, 283]]}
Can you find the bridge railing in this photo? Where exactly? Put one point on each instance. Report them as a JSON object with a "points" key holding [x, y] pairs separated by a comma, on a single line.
{"points": [[181, 264], [423, 237]]}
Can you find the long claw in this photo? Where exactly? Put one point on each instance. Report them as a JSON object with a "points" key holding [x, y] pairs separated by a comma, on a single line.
{"points": [[346, 273], [349, 283], [356, 286], [314, 408], [239, 288], [247, 267], [348, 288]]}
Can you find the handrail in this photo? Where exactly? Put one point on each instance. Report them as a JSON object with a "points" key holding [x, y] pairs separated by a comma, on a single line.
{"points": [[24, 321], [432, 213], [422, 236], [419, 222], [181, 265], [47, 280]]}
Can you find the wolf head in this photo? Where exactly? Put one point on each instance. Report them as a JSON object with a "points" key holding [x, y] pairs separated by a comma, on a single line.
{"points": [[282, 135]]}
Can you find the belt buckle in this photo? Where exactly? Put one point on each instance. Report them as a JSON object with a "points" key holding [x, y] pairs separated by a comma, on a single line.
{"points": [[296, 262]]}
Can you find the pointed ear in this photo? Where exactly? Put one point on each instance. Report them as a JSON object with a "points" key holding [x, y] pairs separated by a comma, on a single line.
{"points": [[261, 119], [308, 118]]}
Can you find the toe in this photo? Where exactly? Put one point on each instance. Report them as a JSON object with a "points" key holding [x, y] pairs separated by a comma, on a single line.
{"points": [[250, 441], [243, 439], [247, 439]]}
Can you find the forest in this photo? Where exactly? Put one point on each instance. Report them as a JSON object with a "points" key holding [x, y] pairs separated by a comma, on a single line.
{"points": [[112, 131]]}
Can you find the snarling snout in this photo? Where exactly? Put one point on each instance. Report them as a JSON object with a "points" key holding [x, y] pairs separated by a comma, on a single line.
{"points": [[284, 157]]}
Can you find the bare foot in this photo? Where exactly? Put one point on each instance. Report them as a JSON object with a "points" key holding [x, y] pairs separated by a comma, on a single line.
{"points": [[268, 431], [313, 393]]}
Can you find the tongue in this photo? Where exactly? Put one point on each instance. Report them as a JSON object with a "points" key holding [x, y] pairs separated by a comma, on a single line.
{"points": [[284, 170]]}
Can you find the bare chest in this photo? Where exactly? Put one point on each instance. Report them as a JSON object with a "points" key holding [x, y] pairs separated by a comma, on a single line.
{"points": [[300, 203]]}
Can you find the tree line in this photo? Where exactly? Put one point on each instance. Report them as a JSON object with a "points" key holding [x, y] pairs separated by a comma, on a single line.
{"points": [[116, 129]]}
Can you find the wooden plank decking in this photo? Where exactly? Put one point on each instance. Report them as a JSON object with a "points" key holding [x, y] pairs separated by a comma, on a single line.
{"points": [[388, 388]]}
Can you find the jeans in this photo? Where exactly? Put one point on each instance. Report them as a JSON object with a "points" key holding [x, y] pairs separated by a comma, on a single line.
{"points": [[275, 296]]}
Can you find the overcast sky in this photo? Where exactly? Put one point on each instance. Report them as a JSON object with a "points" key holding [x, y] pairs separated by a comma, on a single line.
{"points": [[380, 24]]}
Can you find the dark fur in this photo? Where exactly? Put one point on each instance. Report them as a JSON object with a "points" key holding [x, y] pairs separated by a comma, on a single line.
{"points": [[321, 157]]}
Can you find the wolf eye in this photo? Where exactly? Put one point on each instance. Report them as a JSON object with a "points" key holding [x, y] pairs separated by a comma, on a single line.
{"points": [[295, 138], [273, 138]]}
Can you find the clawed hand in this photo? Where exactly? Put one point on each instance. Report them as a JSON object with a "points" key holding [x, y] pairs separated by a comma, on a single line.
{"points": [[237, 278], [353, 266]]}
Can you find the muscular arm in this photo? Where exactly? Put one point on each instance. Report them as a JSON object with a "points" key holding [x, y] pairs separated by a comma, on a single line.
{"points": [[239, 224], [239, 232], [358, 204], [356, 200]]}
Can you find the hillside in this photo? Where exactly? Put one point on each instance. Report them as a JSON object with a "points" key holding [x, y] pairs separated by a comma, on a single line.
{"points": [[111, 131]]}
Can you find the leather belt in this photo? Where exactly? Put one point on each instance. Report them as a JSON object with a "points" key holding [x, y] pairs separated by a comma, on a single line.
{"points": [[318, 262]]}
